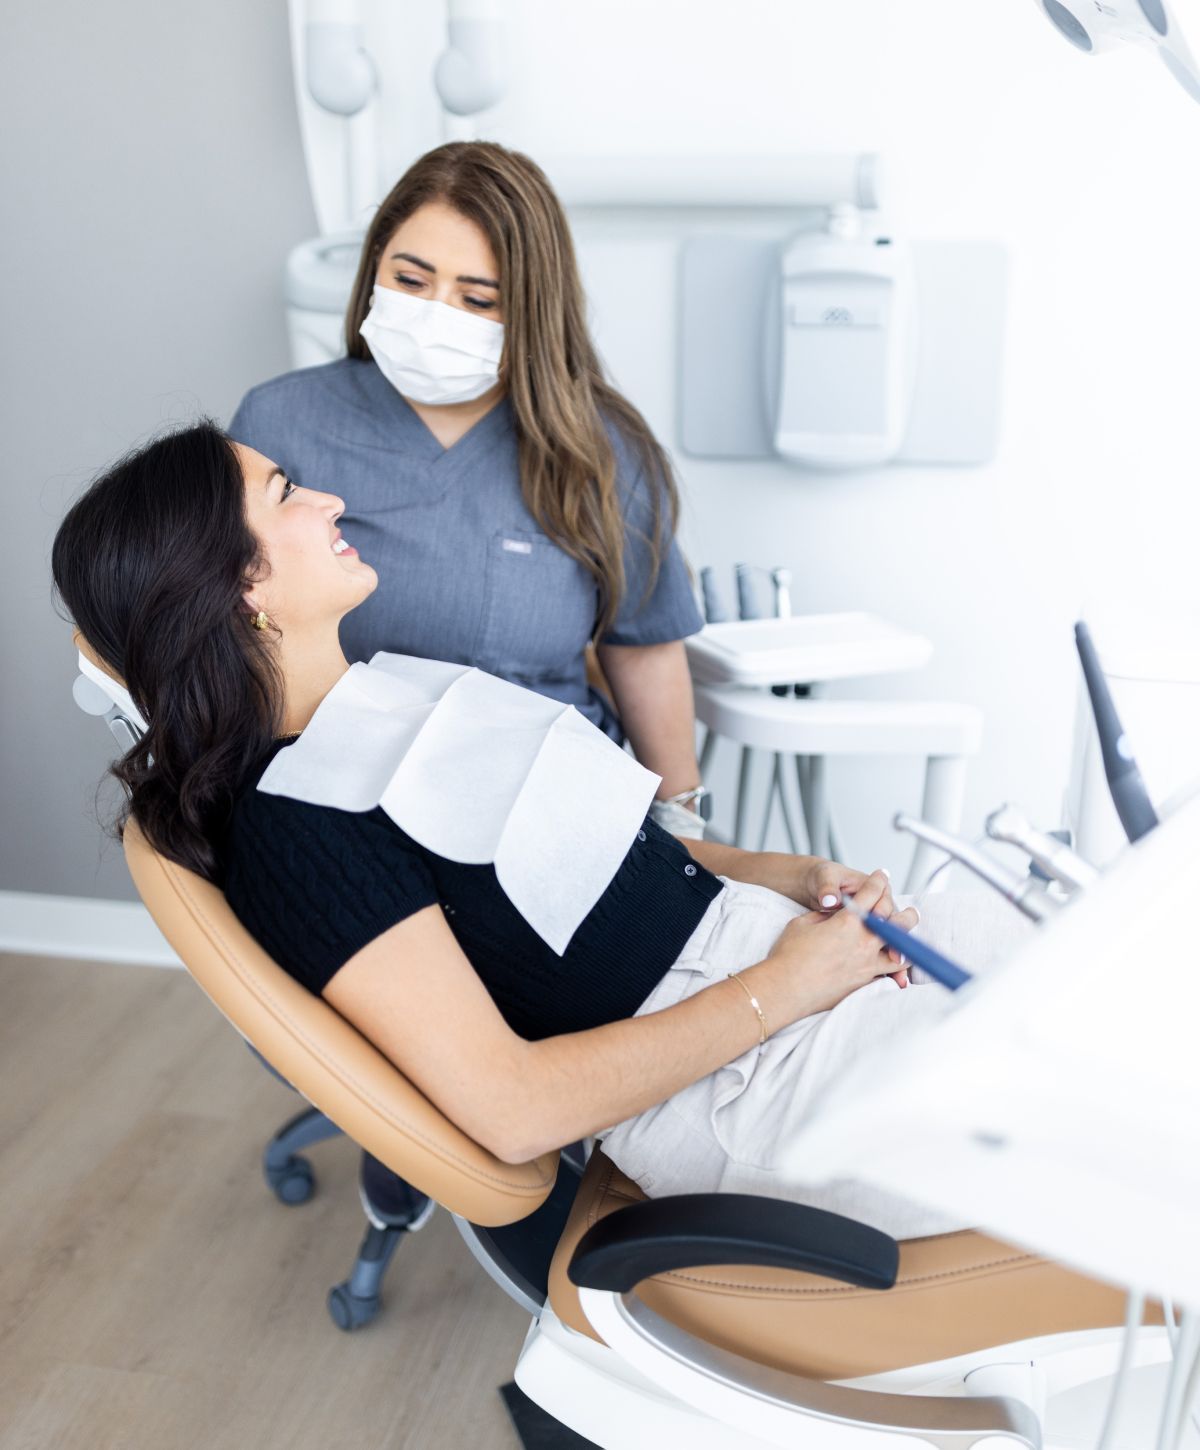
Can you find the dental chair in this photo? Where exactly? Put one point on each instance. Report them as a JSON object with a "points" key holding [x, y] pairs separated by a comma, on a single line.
{"points": [[727, 1320], [717, 1320]]}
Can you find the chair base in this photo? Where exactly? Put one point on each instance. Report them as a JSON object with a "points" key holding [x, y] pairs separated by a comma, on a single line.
{"points": [[598, 1395], [289, 1176], [588, 1388], [356, 1300], [535, 1429]]}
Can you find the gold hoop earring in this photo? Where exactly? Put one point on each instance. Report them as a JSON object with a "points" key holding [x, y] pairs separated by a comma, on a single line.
{"points": [[260, 620]]}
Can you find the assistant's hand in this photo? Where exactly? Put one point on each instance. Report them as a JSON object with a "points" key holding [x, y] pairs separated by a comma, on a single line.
{"points": [[828, 955], [823, 883]]}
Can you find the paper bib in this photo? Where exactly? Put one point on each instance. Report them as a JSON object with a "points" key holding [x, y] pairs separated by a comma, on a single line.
{"points": [[477, 770]]}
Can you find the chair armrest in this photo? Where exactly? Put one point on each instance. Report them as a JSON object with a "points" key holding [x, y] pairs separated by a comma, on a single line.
{"points": [[691, 1230]]}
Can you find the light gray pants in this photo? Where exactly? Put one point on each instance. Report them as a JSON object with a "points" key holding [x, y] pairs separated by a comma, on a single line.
{"points": [[725, 1133]]}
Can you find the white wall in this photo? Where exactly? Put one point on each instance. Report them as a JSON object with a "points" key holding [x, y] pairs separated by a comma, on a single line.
{"points": [[991, 127], [153, 169]]}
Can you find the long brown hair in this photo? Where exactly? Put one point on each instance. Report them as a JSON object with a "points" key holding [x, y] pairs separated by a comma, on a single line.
{"points": [[555, 381]]}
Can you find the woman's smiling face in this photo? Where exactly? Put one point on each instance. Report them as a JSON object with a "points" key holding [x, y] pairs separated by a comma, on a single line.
{"points": [[312, 575]]}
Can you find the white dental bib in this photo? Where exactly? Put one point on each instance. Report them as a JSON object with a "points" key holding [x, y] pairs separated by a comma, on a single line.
{"points": [[476, 770]]}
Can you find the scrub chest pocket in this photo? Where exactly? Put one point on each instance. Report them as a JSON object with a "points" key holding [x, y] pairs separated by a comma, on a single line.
{"points": [[539, 607]]}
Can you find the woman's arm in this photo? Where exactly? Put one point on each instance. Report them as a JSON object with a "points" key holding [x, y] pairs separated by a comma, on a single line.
{"points": [[413, 993], [793, 876], [811, 880], [652, 690]]}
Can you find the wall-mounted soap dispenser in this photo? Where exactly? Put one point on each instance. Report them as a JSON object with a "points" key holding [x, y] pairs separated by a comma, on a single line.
{"points": [[841, 339]]}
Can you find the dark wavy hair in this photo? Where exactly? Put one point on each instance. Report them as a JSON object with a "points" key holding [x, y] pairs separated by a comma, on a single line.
{"points": [[152, 563]]}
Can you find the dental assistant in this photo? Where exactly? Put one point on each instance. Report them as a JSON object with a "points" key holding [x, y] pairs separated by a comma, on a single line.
{"points": [[517, 506]]}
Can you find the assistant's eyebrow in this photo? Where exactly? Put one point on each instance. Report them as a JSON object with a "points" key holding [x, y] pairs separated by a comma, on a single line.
{"points": [[432, 270], [416, 261], [272, 476]]}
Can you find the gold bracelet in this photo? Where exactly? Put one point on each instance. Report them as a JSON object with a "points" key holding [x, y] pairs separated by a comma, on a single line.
{"points": [[736, 977]]}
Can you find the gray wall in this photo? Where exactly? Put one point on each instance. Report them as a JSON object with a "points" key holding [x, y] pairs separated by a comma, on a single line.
{"points": [[153, 182]]}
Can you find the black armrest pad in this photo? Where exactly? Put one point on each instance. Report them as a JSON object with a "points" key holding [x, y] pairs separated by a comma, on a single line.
{"points": [[690, 1230]]}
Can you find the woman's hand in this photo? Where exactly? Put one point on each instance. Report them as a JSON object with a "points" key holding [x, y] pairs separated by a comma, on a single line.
{"points": [[822, 884], [827, 955], [811, 881]]}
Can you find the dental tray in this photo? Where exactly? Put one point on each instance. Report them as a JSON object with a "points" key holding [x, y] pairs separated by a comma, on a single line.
{"points": [[803, 649]]}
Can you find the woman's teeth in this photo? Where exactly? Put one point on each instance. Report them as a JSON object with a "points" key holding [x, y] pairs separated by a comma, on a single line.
{"points": [[340, 546]]}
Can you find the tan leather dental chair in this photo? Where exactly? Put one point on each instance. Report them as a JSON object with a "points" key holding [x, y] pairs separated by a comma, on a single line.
{"points": [[770, 1286], [716, 1321]]}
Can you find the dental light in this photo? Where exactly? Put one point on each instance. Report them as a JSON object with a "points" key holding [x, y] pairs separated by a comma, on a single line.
{"points": [[1093, 26]]}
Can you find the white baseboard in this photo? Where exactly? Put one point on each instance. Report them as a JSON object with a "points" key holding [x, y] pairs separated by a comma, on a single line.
{"points": [[83, 928]]}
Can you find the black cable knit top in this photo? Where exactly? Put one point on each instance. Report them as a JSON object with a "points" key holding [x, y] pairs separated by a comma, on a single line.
{"points": [[313, 885]]}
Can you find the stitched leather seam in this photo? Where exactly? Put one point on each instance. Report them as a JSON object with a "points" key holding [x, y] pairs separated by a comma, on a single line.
{"points": [[265, 998], [847, 1289]]}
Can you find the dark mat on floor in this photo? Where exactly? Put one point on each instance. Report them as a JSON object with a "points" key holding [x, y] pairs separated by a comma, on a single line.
{"points": [[535, 1428]]}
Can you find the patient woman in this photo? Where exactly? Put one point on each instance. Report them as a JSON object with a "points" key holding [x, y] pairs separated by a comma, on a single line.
{"points": [[701, 1004]]}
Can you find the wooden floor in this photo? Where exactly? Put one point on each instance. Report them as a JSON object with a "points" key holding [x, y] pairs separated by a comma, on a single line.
{"points": [[154, 1295]]}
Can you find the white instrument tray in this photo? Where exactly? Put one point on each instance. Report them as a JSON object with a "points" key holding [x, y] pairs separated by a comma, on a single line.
{"points": [[803, 649]]}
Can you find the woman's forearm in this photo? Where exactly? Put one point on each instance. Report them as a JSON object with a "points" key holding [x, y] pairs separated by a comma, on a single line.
{"points": [[579, 1083], [775, 869], [414, 994], [652, 691]]}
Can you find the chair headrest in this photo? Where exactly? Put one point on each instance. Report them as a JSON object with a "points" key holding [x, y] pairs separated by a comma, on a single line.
{"points": [[91, 665], [324, 1057], [89, 653]]}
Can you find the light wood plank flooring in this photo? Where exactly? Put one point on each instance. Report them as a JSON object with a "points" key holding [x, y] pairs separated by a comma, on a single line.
{"points": [[154, 1295]]}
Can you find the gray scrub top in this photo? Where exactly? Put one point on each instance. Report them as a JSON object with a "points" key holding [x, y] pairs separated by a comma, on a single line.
{"points": [[465, 574]]}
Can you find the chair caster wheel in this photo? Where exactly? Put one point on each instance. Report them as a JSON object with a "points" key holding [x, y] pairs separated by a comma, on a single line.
{"points": [[348, 1311], [293, 1183]]}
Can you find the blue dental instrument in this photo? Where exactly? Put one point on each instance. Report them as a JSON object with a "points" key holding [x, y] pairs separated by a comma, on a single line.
{"points": [[919, 953]]}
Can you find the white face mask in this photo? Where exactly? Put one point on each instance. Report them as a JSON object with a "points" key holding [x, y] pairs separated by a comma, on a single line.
{"points": [[432, 352]]}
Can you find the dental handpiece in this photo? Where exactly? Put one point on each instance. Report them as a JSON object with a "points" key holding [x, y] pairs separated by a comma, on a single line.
{"points": [[1025, 894], [1055, 858]]}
